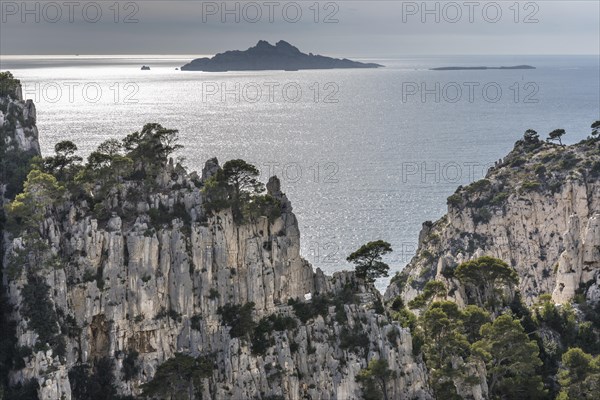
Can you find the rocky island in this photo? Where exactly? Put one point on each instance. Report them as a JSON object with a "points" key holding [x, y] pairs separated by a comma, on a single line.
{"points": [[265, 56], [125, 276]]}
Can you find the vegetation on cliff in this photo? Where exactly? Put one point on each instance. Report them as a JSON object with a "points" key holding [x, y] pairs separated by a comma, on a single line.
{"points": [[490, 339], [236, 186], [127, 179], [533, 165], [368, 260], [536, 174], [8, 84], [523, 349], [113, 180]]}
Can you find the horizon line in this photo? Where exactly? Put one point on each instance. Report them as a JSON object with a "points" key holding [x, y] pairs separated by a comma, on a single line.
{"points": [[370, 56]]}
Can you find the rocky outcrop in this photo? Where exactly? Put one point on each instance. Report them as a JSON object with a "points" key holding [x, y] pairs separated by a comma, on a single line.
{"points": [[18, 120], [130, 287], [578, 264], [150, 277], [538, 210], [18, 144]]}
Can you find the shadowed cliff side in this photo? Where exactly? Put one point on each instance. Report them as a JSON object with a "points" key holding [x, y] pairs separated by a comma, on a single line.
{"points": [[18, 145]]}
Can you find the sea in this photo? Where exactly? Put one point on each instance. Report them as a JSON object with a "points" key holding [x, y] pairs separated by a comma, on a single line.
{"points": [[363, 154]]}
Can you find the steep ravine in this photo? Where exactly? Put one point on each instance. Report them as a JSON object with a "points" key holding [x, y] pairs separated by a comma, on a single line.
{"points": [[102, 294]]}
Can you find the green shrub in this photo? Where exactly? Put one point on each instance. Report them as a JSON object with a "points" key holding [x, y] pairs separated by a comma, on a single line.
{"points": [[266, 326], [174, 315], [478, 186], [357, 342], [499, 198], [530, 186], [448, 271], [101, 212], [130, 365], [430, 290], [482, 215], [19, 164], [294, 347], [181, 213], [568, 161], [23, 391], [595, 169], [397, 303], [517, 162], [95, 382], [406, 318], [340, 314], [540, 169], [178, 375], [162, 313], [8, 84], [89, 276], [39, 311], [160, 216], [238, 318], [261, 205], [195, 322], [21, 353], [318, 305]]}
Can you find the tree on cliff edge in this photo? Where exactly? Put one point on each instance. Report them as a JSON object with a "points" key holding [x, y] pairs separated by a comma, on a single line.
{"points": [[8, 84], [556, 135], [531, 137], [233, 186], [151, 148], [242, 177], [596, 129], [367, 260]]}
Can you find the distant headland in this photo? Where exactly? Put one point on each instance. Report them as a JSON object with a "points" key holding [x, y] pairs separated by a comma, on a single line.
{"points": [[480, 68], [265, 56]]}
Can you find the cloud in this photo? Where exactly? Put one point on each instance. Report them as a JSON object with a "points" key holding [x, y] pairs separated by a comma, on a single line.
{"points": [[351, 28]]}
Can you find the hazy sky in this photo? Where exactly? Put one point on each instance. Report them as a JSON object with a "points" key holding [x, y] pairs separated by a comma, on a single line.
{"points": [[348, 28]]}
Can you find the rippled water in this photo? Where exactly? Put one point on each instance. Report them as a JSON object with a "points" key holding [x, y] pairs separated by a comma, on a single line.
{"points": [[360, 156]]}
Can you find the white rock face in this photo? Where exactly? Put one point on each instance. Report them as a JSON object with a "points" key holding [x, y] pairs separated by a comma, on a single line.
{"points": [[579, 262], [130, 285], [551, 239], [125, 284], [18, 119], [531, 211]]}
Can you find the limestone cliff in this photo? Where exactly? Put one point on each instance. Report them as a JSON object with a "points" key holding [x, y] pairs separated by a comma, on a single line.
{"points": [[18, 145], [18, 131], [538, 209], [148, 275], [107, 280]]}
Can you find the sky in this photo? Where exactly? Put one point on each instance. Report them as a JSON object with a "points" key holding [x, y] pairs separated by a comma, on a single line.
{"points": [[339, 28]]}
